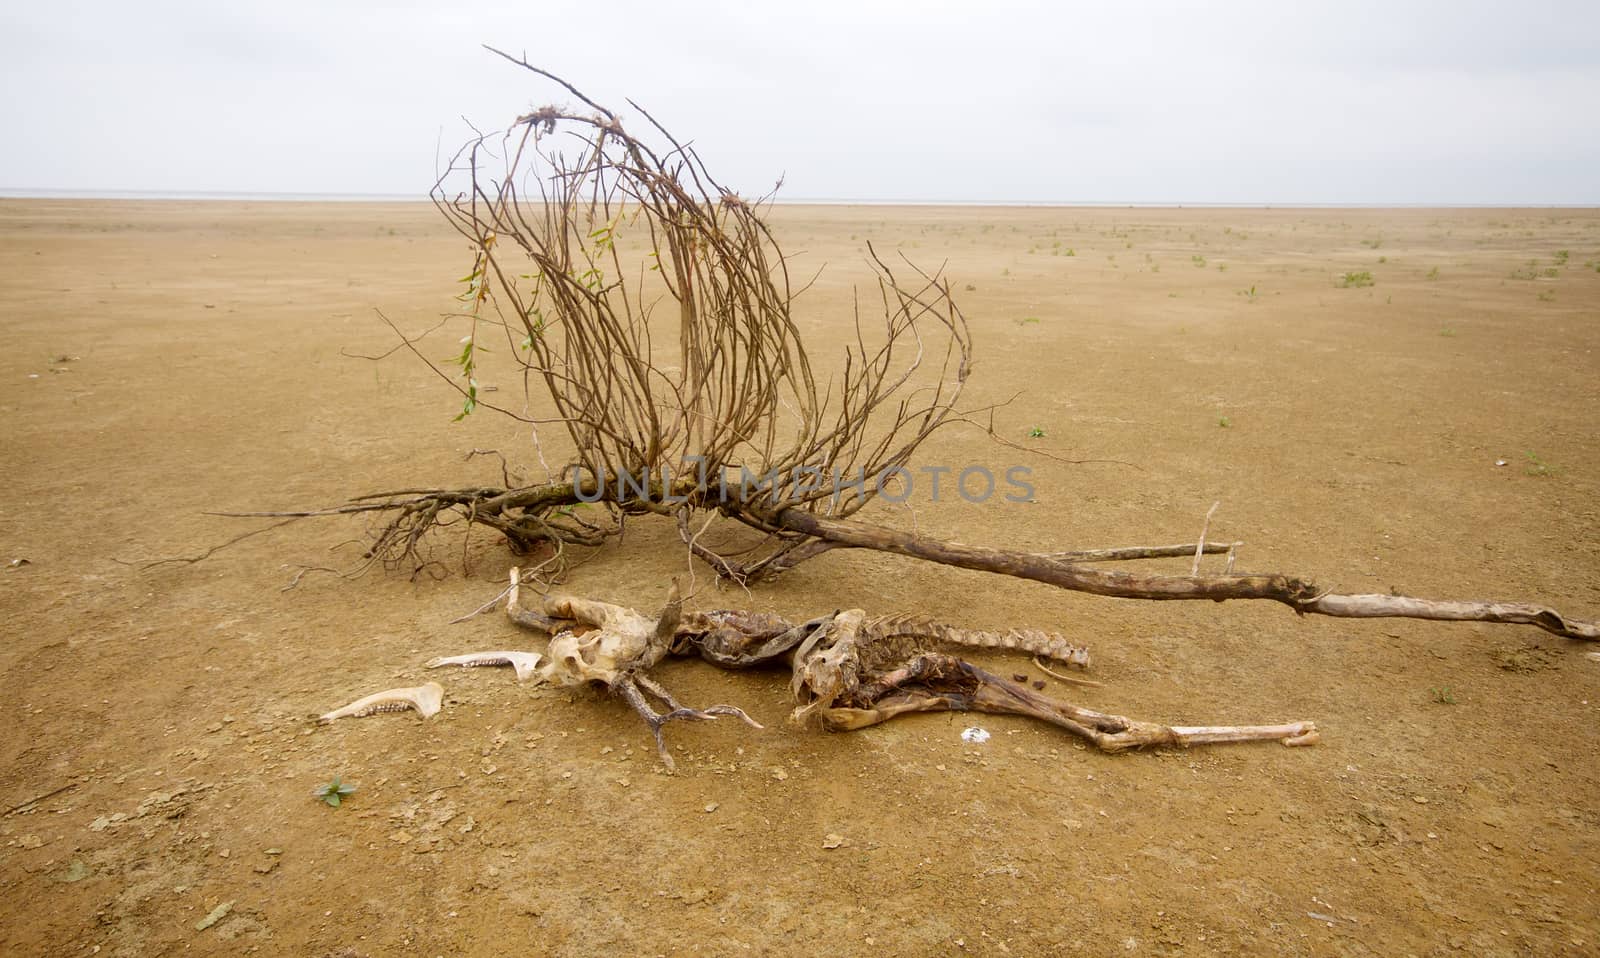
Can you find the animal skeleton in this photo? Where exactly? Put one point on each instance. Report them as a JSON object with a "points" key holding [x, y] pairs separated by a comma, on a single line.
{"points": [[848, 670]]}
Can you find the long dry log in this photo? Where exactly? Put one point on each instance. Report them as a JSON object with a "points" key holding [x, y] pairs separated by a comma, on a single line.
{"points": [[1297, 593], [522, 515]]}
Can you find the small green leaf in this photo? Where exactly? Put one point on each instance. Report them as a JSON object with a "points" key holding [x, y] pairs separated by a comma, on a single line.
{"points": [[333, 792]]}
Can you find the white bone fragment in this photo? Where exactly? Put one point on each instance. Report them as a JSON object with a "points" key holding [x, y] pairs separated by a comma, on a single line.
{"points": [[425, 699], [524, 662]]}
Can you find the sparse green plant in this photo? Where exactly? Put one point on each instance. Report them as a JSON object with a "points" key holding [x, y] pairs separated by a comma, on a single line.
{"points": [[1036, 433], [1027, 320], [1562, 256], [1372, 244], [1537, 466], [1443, 695], [1249, 294], [1198, 260], [1356, 280], [1224, 422], [1383, 259], [1447, 332], [1070, 252], [334, 792], [1547, 296], [1222, 267], [1433, 274]]}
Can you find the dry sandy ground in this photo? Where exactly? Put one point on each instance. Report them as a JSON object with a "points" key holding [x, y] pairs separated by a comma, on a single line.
{"points": [[1351, 434]]}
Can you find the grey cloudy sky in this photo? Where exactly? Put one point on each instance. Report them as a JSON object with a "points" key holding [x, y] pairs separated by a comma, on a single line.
{"points": [[1269, 102]]}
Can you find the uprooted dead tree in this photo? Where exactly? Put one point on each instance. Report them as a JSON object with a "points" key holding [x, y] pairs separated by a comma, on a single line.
{"points": [[647, 309]]}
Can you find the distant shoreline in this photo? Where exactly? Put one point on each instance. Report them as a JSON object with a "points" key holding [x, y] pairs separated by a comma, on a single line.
{"points": [[202, 196]]}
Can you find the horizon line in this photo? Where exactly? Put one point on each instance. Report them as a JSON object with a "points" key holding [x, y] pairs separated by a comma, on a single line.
{"points": [[334, 197]]}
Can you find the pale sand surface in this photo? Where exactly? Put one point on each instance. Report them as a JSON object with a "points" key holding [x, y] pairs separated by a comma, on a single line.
{"points": [[1363, 430]]}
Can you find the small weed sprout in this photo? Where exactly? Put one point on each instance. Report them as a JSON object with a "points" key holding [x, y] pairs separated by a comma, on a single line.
{"points": [[1036, 433], [1224, 422], [1356, 280], [1433, 274], [1443, 695], [334, 792]]}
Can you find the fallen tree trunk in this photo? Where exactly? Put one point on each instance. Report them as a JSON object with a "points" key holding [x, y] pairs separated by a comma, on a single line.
{"points": [[533, 514]]}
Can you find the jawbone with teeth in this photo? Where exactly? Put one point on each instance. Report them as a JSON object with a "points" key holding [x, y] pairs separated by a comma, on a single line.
{"points": [[526, 663], [426, 699]]}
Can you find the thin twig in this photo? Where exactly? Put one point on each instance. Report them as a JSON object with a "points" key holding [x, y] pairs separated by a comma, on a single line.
{"points": [[1038, 663], [1200, 546], [39, 798]]}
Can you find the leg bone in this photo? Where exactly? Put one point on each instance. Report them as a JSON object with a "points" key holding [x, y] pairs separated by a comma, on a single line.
{"points": [[629, 688]]}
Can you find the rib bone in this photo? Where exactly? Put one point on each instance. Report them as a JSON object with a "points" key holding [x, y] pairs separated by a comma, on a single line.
{"points": [[526, 663], [426, 699]]}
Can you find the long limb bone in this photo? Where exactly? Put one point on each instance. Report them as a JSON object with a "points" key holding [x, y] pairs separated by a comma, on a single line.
{"points": [[934, 682]]}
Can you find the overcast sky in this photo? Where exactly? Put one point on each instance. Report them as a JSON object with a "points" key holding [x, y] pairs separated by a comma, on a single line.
{"points": [[1271, 102]]}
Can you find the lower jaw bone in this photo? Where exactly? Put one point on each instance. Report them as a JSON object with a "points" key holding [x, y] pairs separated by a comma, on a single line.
{"points": [[526, 663], [425, 699]]}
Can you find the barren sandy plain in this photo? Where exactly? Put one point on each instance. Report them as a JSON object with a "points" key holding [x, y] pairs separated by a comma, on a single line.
{"points": [[159, 360]]}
